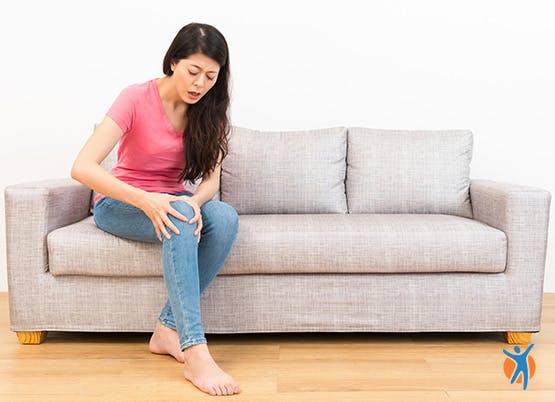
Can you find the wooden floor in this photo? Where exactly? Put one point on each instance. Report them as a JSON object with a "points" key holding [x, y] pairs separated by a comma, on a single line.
{"points": [[338, 367]]}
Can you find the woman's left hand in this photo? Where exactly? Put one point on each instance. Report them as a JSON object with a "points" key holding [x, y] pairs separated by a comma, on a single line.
{"points": [[198, 216]]}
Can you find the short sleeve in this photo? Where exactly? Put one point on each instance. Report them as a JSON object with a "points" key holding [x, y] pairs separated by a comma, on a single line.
{"points": [[122, 110]]}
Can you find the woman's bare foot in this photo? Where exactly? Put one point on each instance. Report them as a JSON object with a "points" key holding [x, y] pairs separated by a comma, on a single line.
{"points": [[201, 369], [165, 341]]}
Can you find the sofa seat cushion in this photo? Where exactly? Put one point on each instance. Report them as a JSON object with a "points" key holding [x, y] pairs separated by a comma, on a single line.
{"points": [[298, 243]]}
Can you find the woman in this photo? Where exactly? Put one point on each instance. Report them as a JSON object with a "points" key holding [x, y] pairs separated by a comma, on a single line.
{"points": [[172, 129]]}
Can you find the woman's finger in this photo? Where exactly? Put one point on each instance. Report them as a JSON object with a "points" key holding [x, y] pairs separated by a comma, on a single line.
{"points": [[158, 234], [162, 226], [170, 223], [199, 227], [195, 207], [197, 216], [194, 218], [177, 214]]}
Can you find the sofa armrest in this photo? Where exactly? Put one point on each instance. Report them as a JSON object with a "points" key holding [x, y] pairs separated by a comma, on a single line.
{"points": [[34, 209], [522, 212]]}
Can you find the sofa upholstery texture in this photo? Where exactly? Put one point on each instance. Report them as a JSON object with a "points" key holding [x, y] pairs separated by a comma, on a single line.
{"points": [[340, 229]]}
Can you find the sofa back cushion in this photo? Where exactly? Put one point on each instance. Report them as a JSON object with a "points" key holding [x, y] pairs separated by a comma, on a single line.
{"points": [[409, 171], [285, 172]]}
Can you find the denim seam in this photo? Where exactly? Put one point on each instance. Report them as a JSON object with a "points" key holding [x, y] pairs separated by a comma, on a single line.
{"points": [[188, 342], [175, 280]]}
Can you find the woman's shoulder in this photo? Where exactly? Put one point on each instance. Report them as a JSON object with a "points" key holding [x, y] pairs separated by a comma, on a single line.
{"points": [[138, 88], [128, 105], [138, 94]]}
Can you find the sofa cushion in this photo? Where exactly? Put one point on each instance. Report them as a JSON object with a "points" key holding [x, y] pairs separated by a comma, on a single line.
{"points": [[285, 172], [409, 171], [301, 243]]}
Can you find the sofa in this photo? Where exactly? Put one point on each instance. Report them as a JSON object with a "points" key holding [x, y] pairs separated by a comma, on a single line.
{"points": [[340, 229]]}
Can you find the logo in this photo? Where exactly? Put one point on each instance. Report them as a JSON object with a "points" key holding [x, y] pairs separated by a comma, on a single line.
{"points": [[519, 367]]}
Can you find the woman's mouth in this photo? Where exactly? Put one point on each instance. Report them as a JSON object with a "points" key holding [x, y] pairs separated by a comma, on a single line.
{"points": [[193, 95]]}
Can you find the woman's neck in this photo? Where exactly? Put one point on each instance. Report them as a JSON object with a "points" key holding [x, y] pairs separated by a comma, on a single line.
{"points": [[169, 95]]}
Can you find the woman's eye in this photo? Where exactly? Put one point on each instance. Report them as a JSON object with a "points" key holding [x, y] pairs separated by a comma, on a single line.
{"points": [[211, 79]]}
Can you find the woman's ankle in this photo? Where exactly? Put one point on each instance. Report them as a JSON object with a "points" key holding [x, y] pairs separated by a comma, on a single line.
{"points": [[197, 350]]}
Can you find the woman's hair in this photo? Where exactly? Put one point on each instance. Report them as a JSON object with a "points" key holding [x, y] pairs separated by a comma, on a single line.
{"points": [[207, 121]]}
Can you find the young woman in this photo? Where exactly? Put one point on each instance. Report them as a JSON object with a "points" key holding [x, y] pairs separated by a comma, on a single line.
{"points": [[171, 129]]}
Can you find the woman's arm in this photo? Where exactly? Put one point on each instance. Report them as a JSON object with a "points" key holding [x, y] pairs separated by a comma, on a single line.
{"points": [[87, 170], [210, 184]]}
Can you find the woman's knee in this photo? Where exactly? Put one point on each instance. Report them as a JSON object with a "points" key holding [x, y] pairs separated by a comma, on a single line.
{"points": [[221, 211], [185, 209]]}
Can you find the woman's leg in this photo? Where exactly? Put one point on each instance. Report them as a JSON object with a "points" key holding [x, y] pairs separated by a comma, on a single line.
{"points": [[218, 234], [181, 275], [180, 258]]}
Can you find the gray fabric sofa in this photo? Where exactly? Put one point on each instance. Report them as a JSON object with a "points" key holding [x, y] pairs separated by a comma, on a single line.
{"points": [[340, 229]]}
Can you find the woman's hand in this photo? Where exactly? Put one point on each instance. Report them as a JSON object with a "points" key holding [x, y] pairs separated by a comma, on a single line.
{"points": [[157, 206], [198, 216]]}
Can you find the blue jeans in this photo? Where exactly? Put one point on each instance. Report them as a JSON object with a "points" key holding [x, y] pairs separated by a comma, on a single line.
{"points": [[188, 265]]}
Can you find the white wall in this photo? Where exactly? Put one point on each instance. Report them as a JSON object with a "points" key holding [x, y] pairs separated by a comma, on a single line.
{"points": [[484, 65]]}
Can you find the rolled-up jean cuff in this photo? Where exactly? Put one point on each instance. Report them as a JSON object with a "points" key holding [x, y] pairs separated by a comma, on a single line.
{"points": [[193, 342], [168, 324]]}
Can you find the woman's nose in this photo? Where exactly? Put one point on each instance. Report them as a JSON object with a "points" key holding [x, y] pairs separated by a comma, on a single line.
{"points": [[199, 82]]}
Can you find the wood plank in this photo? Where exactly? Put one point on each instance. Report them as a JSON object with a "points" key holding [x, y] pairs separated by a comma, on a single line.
{"points": [[290, 367]]}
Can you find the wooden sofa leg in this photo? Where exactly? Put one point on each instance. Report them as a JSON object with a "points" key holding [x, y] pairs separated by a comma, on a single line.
{"points": [[31, 337], [517, 337]]}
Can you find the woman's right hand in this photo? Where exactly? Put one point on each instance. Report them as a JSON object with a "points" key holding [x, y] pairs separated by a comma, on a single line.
{"points": [[157, 206]]}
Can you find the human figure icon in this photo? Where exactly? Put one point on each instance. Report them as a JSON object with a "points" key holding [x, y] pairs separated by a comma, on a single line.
{"points": [[521, 364]]}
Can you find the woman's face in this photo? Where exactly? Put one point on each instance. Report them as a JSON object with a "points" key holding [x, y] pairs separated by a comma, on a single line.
{"points": [[194, 76]]}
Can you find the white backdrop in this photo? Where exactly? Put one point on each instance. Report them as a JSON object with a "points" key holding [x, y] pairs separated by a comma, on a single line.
{"points": [[483, 65]]}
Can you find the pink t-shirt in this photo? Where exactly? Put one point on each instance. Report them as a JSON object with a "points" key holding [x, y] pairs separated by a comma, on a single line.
{"points": [[150, 153]]}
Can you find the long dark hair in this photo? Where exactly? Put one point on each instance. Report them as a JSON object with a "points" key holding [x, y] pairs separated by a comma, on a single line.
{"points": [[207, 121]]}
